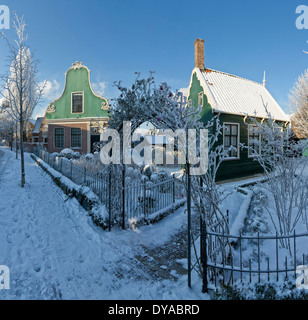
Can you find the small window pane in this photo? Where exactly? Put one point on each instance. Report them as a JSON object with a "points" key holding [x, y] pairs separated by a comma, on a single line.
{"points": [[234, 141], [234, 130], [227, 141]]}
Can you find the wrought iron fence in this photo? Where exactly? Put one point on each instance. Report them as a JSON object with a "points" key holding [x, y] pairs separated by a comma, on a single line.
{"points": [[147, 199], [228, 258], [133, 201]]}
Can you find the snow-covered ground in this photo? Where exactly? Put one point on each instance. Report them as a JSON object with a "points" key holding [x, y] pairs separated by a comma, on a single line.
{"points": [[54, 251]]}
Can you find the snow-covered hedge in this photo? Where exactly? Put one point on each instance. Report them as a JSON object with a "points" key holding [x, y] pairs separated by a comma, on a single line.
{"points": [[84, 195], [261, 291]]}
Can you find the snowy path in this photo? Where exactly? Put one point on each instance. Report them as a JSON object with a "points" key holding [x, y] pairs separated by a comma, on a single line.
{"points": [[4, 157], [54, 251]]}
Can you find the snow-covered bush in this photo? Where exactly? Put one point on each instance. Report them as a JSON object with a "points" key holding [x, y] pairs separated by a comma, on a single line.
{"points": [[55, 154], [284, 165], [299, 106], [76, 155], [89, 156], [67, 153], [261, 291]]}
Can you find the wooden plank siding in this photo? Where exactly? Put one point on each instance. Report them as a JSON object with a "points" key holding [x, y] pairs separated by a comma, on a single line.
{"points": [[244, 166], [230, 169]]}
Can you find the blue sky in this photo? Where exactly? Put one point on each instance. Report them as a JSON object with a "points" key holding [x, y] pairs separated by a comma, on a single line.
{"points": [[117, 38]]}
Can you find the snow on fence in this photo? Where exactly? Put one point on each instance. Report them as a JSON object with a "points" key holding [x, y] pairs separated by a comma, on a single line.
{"points": [[136, 201], [230, 258], [144, 200]]}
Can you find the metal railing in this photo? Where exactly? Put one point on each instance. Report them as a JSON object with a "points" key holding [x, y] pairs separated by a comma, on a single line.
{"points": [[231, 258], [143, 200], [137, 200], [97, 182]]}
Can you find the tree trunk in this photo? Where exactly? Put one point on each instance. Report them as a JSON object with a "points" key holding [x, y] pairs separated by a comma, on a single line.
{"points": [[16, 147], [11, 138], [21, 139]]}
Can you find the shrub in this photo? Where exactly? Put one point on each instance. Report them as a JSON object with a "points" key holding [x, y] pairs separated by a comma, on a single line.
{"points": [[260, 291]]}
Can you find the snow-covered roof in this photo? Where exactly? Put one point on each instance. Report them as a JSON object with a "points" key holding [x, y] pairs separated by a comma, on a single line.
{"points": [[38, 125], [235, 95]]}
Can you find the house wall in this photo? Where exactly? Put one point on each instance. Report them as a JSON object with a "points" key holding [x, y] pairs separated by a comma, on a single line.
{"points": [[229, 169], [77, 81], [244, 166], [195, 89], [67, 137]]}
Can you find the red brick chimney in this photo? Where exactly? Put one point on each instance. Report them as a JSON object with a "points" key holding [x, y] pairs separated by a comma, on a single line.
{"points": [[199, 53]]}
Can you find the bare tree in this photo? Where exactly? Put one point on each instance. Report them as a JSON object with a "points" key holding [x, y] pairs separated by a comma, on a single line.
{"points": [[7, 126], [20, 86], [299, 106]]}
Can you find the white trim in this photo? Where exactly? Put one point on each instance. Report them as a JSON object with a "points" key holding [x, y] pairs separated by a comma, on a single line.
{"points": [[238, 140], [77, 92], [76, 148], [75, 120], [88, 138]]}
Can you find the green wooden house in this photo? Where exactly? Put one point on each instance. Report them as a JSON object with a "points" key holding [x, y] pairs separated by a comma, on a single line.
{"points": [[232, 98], [75, 119]]}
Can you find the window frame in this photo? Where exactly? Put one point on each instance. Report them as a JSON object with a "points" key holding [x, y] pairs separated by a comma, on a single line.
{"points": [[251, 155], [72, 94], [80, 138], [238, 140], [54, 140]]}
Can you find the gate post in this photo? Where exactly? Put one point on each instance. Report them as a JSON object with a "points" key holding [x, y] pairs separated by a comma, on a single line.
{"points": [[109, 200], [203, 249], [189, 223], [204, 256], [123, 197], [173, 189]]}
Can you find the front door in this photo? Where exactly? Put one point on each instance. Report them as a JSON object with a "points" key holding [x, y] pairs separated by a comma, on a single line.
{"points": [[94, 140]]}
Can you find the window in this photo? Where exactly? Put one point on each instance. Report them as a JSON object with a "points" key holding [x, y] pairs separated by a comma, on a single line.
{"points": [[59, 138], [231, 138], [253, 140], [200, 99], [77, 102], [75, 138], [45, 140], [35, 139]]}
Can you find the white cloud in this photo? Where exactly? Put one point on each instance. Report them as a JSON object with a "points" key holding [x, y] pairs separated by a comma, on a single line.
{"points": [[99, 87], [52, 90], [39, 112]]}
